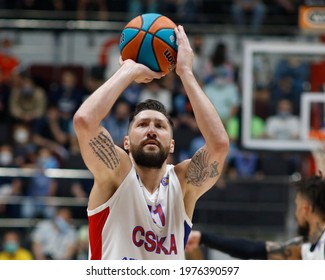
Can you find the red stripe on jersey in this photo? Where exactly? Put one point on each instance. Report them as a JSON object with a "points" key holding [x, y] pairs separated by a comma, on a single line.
{"points": [[96, 224]]}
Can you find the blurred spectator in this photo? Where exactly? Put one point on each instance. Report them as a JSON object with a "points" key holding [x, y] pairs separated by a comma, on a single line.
{"points": [[55, 239], [67, 95], [118, 122], [6, 161], [92, 9], [41, 186], [154, 90], [186, 128], [199, 60], [290, 79], [244, 164], [255, 9], [284, 125], [138, 7], [189, 10], [132, 94], [27, 101], [6, 156], [12, 249], [23, 147], [52, 131], [13, 187], [286, 11], [94, 80], [5, 120], [236, 155], [262, 102], [82, 243], [219, 63], [233, 127], [220, 86], [8, 61]]}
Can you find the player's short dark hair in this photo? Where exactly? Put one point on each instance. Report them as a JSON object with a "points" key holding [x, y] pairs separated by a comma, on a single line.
{"points": [[313, 189], [151, 104]]}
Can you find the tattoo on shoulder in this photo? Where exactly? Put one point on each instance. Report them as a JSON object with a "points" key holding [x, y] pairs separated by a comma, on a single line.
{"points": [[104, 149], [199, 169]]}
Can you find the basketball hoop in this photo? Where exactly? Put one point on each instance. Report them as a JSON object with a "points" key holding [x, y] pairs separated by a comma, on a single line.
{"points": [[317, 149]]}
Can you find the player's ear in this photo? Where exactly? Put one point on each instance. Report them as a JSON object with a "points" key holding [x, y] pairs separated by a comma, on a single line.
{"points": [[126, 143], [307, 207], [172, 146]]}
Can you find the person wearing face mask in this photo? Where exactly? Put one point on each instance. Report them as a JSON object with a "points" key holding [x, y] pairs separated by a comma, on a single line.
{"points": [[40, 185], [27, 101], [24, 149], [219, 83], [11, 248], [6, 156], [55, 238], [284, 125]]}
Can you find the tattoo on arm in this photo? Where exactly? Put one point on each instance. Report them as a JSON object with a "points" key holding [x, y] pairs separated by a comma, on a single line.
{"points": [[104, 149], [199, 169], [283, 250]]}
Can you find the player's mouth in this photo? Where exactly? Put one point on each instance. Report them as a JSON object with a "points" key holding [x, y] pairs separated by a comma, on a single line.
{"points": [[151, 142]]}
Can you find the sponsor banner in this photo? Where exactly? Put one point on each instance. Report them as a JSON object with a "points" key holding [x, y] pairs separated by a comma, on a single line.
{"points": [[312, 18]]}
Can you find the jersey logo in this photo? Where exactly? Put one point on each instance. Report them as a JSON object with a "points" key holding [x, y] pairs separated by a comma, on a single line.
{"points": [[157, 213], [153, 243]]}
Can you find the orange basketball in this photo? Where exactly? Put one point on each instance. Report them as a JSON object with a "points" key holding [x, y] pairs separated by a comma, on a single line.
{"points": [[150, 39]]}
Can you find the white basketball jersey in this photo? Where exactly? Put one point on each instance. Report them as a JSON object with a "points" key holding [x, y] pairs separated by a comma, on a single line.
{"points": [[314, 252], [133, 224]]}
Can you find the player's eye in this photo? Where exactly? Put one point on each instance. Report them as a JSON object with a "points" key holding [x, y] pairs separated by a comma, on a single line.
{"points": [[142, 124]]}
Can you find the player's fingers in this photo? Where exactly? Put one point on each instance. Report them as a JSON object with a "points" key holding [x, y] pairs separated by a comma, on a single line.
{"points": [[120, 60]]}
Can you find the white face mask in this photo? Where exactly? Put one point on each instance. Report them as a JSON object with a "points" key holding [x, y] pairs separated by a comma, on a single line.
{"points": [[21, 136], [5, 158]]}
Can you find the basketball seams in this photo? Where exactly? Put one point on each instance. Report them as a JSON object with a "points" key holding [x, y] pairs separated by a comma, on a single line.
{"points": [[134, 37], [141, 44], [153, 43], [151, 24], [165, 41]]}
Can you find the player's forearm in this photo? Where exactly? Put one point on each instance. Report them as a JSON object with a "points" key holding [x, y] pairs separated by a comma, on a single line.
{"points": [[236, 247], [206, 116], [99, 103]]}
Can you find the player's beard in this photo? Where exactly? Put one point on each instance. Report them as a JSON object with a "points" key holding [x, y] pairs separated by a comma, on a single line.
{"points": [[151, 159], [303, 230]]}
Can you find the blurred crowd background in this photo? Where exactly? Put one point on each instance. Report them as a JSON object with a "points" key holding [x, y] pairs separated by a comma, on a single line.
{"points": [[53, 54]]}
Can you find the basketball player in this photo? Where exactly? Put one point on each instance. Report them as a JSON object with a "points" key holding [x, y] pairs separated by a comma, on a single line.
{"points": [[310, 216], [140, 207]]}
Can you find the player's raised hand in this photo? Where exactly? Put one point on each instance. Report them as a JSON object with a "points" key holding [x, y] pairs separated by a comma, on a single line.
{"points": [[140, 72], [185, 53]]}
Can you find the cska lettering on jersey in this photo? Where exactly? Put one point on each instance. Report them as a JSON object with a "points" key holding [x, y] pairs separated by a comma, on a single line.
{"points": [[153, 243]]}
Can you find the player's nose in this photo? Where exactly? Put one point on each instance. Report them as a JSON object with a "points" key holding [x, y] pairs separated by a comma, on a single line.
{"points": [[151, 130]]}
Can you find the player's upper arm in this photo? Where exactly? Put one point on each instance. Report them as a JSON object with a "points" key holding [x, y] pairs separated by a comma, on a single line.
{"points": [[201, 172], [106, 161]]}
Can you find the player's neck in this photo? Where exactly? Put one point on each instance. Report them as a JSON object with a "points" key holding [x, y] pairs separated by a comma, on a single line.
{"points": [[150, 177], [316, 230]]}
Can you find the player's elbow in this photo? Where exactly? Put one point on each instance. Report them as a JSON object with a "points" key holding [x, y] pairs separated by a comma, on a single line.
{"points": [[223, 143], [81, 121]]}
